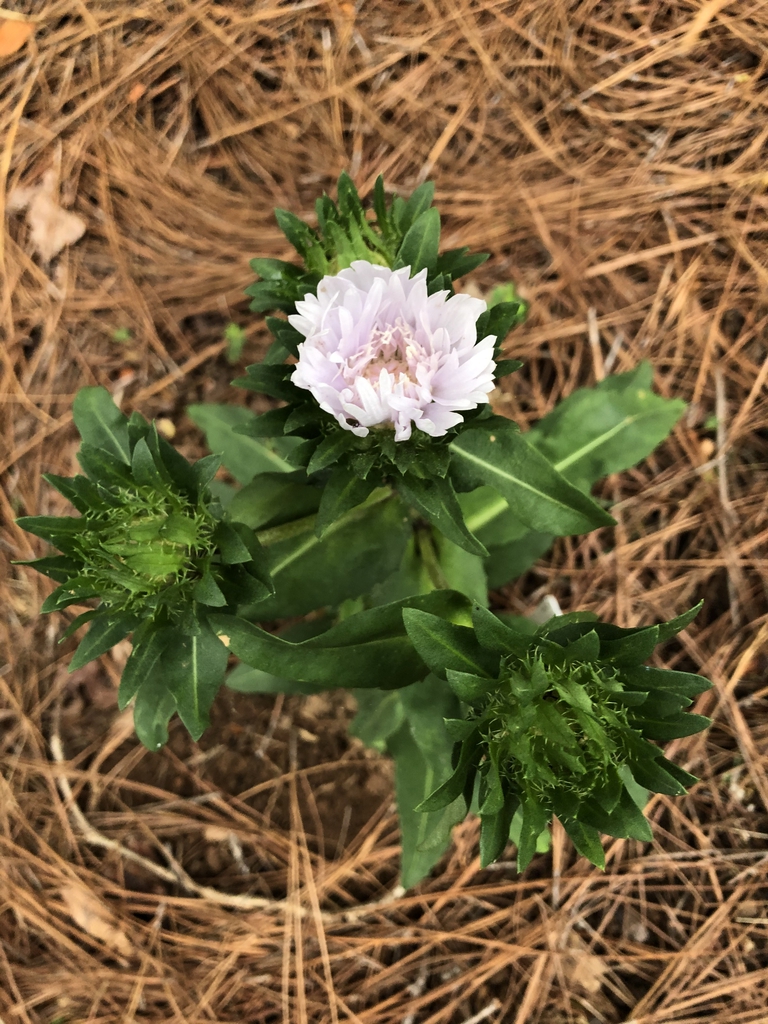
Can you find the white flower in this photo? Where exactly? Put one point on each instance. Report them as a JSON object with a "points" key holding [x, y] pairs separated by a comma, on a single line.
{"points": [[379, 350]]}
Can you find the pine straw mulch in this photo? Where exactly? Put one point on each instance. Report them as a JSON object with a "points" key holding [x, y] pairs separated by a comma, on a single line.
{"points": [[611, 156]]}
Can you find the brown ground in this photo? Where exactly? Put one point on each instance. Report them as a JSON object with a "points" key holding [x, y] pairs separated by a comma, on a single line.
{"points": [[611, 156]]}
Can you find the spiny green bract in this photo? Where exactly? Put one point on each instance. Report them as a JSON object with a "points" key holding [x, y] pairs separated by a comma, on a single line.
{"points": [[132, 551], [155, 549], [398, 233], [559, 722]]}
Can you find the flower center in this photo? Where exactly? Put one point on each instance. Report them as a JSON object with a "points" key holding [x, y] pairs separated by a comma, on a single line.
{"points": [[393, 348]]}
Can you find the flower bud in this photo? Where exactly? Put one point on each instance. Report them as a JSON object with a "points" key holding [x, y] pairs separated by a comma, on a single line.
{"points": [[560, 721], [152, 544]]}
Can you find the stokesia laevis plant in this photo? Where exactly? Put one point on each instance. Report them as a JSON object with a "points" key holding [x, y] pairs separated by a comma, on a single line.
{"points": [[382, 494]]}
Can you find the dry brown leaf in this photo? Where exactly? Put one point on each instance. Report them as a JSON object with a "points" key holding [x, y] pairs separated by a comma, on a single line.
{"points": [[582, 968], [216, 834], [50, 227], [94, 917], [13, 35]]}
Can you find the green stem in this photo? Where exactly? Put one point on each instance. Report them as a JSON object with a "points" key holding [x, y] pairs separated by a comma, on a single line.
{"points": [[296, 527], [485, 515], [428, 553]]}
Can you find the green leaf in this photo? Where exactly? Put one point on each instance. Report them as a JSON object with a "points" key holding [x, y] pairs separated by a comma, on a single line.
{"points": [[205, 470], [462, 571], [231, 547], [244, 457], [152, 711], [382, 663], [300, 417], [172, 464], [102, 467], [387, 620], [510, 561], [78, 490], [536, 493], [631, 649], [409, 579], [274, 498], [459, 728], [330, 449], [469, 687], [299, 234], [194, 668], [488, 515], [325, 210], [56, 530], [671, 728], [606, 429], [503, 293], [58, 567], [275, 270], [593, 432], [380, 206], [370, 649], [420, 246], [688, 684], [354, 554], [235, 337], [506, 366], [495, 635], [208, 592], [669, 629], [655, 775], [494, 830], [625, 821], [258, 565], [137, 427], [179, 529], [683, 777], [74, 591], [424, 837], [343, 492], [246, 679], [535, 820], [148, 645], [348, 198], [585, 648], [103, 634], [101, 423], [270, 424], [145, 472], [285, 335], [499, 320], [419, 201], [491, 788], [78, 621], [436, 500], [458, 262], [380, 713], [269, 379], [427, 703], [586, 839], [443, 645]]}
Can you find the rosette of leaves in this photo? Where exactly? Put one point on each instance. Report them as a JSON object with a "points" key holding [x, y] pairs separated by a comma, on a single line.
{"points": [[155, 549], [560, 721], [428, 472]]}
